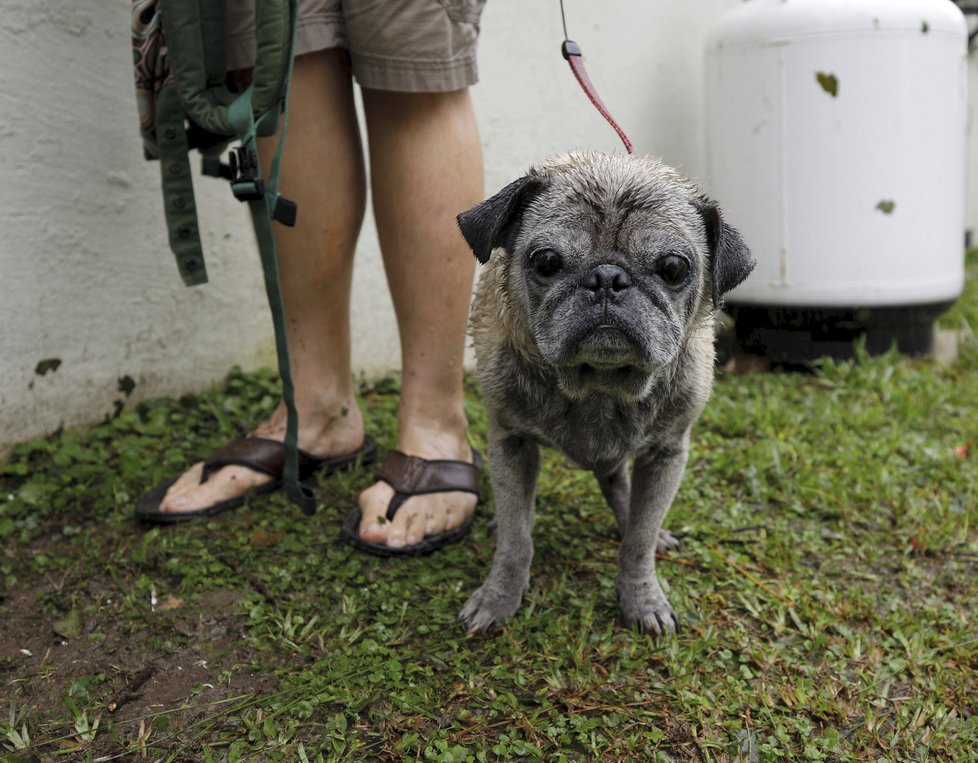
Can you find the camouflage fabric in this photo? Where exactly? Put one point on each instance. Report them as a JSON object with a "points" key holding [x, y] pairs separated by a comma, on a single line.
{"points": [[150, 67]]}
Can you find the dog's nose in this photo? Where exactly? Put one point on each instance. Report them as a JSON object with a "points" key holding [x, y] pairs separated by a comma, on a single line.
{"points": [[606, 278]]}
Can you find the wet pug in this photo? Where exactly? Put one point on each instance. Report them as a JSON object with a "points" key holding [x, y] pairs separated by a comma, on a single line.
{"points": [[593, 332]]}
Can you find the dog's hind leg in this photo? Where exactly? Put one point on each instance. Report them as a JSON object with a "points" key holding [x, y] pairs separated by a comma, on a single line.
{"points": [[666, 542], [616, 489]]}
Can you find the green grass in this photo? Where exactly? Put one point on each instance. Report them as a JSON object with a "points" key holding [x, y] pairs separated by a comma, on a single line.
{"points": [[826, 587]]}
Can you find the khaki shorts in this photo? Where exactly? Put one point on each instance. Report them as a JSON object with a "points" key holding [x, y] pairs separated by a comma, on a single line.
{"points": [[419, 46]]}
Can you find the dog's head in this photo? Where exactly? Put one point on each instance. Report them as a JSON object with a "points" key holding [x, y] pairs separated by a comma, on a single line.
{"points": [[611, 262]]}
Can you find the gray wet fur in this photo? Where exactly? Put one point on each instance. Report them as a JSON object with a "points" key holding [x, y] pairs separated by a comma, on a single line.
{"points": [[603, 359]]}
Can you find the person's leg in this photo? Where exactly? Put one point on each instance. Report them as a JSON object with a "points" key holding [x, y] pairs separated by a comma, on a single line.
{"points": [[425, 167], [322, 170]]}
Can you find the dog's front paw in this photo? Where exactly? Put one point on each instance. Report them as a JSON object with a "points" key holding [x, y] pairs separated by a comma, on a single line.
{"points": [[666, 542], [488, 605], [646, 606]]}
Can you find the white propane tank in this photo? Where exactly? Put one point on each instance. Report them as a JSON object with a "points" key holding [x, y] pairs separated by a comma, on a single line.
{"points": [[836, 143]]}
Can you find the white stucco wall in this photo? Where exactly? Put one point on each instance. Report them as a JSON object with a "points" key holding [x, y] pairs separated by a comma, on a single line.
{"points": [[85, 273], [971, 207]]}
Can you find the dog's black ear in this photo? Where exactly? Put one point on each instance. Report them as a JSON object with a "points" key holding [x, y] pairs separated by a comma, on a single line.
{"points": [[732, 261], [485, 225]]}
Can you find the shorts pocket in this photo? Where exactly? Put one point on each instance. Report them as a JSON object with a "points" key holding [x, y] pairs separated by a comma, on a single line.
{"points": [[465, 11]]}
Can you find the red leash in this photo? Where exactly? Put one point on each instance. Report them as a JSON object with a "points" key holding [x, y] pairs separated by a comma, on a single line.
{"points": [[571, 52]]}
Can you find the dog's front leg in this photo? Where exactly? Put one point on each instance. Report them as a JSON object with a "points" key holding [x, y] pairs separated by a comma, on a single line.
{"points": [[514, 463], [655, 479]]}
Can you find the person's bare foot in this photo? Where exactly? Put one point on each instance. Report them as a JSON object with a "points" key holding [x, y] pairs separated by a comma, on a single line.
{"points": [[322, 435], [420, 516]]}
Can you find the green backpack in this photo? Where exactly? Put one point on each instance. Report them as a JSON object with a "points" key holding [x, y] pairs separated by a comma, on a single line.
{"points": [[189, 101]]}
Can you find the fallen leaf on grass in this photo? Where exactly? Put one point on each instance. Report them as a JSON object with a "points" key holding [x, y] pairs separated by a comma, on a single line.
{"points": [[170, 602], [918, 544], [261, 539], [69, 626]]}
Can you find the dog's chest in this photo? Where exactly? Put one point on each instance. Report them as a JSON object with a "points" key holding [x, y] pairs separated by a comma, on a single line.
{"points": [[596, 434]]}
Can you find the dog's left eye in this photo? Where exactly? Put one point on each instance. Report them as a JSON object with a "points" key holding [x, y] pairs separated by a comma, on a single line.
{"points": [[546, 262], [673, 269]]}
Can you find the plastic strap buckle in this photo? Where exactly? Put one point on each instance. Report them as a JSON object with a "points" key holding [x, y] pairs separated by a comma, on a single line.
{"points": [[285, 211], [248, 190], [246, 182], [214, 167]]}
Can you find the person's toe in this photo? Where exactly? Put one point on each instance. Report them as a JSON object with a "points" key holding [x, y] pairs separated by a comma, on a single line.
{"points": [[374, 526], [414, 528], [419, 517], [437, 513], [407, 526], [189, 494]]}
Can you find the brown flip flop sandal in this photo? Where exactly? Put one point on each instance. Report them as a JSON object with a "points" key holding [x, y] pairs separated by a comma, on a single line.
{"points": [[260, 455], [411, 476]]}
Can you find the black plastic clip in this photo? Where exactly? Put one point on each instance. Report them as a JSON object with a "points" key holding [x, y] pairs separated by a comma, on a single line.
{"points": [[244, 164], [285, 211], [248, 190], [570, 48], [246, 182], [215, 168], [305, 499]]}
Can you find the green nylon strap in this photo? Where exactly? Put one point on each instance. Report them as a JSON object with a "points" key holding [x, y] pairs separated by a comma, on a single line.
{"points": [[297, 493], [213, 31], [193, 92], [273, 67], [242, 117], [185, 22], [195, 31], [178, 188], [182, 28]]}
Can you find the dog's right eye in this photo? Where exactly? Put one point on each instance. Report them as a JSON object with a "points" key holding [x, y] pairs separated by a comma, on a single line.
{"points": [[546, 262]]}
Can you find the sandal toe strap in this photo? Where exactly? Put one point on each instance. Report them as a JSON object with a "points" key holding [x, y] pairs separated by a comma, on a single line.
{"points": [[256, 453], [412, 475]]}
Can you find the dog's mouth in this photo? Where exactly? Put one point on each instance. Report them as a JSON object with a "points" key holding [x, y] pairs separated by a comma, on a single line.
{"points": [[625, 381], [606, 348], [606, 359], [608, 375]]}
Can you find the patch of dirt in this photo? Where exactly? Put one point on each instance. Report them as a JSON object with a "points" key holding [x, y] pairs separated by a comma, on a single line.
{"points": [[119, 667]]}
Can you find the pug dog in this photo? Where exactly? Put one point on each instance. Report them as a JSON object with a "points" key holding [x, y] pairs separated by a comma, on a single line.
{"points": [[593, 332]]}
